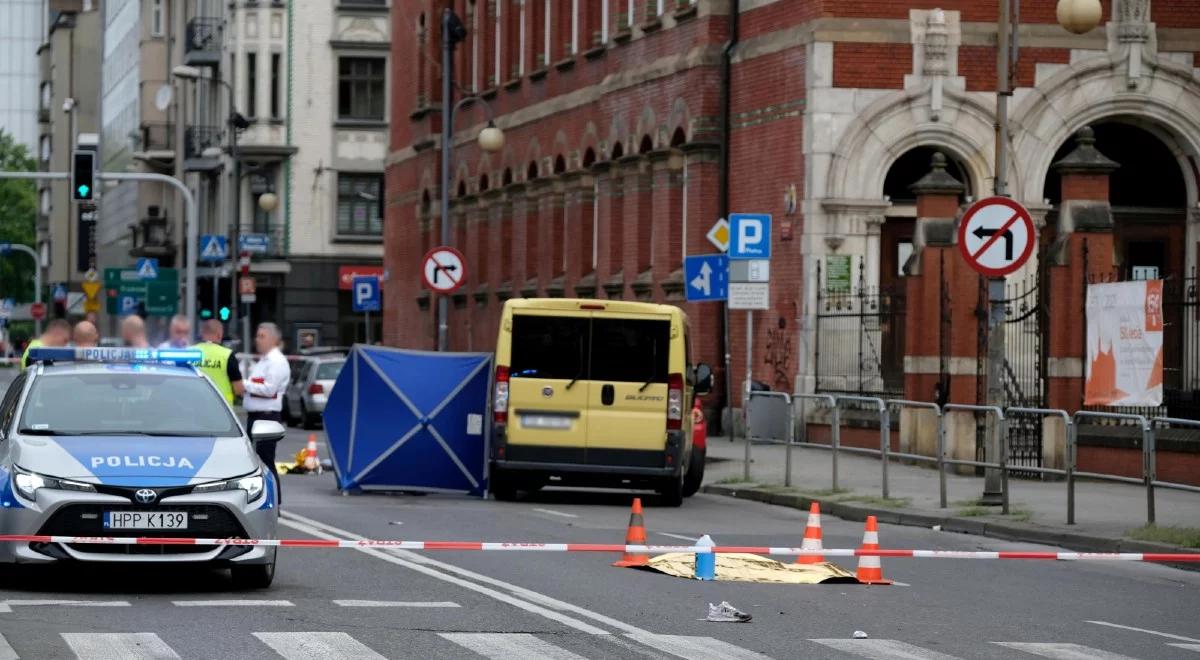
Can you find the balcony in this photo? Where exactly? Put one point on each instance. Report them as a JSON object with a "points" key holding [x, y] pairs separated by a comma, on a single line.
{"points": [[196, 139], [152, 237], [157, 137], [203, 45]]}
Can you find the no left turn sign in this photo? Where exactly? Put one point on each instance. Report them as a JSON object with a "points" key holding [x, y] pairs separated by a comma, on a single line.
{"points": [[444, 270], [996, 236]]}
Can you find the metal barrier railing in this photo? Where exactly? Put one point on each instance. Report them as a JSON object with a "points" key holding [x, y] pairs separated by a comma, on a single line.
{"points": [[1168, 422], [750, 437], [940, 459], [999, 449], [835, 435], [1147, 455], [1069, 472], [997, 439]]}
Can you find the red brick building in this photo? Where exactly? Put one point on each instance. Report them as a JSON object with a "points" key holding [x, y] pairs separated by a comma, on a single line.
{"points": [[632, 125]]}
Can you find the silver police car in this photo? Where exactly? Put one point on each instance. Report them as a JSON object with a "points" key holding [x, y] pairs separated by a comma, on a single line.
{"points": [[113, 442]]}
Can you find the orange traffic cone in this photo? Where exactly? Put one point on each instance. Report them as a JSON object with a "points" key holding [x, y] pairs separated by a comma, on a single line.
{"points": [[870, 569], [310, 459], [812, 536], [635, 536]]}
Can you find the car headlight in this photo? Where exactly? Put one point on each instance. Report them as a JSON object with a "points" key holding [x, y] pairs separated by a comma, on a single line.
{"points": [[28, 483], [253, 484]]}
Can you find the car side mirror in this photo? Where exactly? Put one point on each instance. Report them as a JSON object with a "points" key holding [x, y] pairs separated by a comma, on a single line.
{"points": [[704, 378], [265, 430]]}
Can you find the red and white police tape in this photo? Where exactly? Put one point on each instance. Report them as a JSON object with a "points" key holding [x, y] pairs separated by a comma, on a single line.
{"points": [[608, 547]]}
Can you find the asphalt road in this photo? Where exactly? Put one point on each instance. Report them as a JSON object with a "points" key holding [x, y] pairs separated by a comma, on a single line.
{"points": [[368, 604]]}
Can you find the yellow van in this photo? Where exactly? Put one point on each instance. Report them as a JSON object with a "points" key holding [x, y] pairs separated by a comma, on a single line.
{"points": [[595, 393]]}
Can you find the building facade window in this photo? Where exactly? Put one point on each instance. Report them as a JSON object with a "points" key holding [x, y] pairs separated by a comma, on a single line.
{"points": [[361, 88], [360, 205], [521, 41], [546, 32], [574, 27], [497, 32], [276, 86], [251, 85], [157, 19], [44, 148], [476, 28]]}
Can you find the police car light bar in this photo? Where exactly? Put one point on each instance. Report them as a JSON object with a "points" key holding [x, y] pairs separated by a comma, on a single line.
{"points": [[116, 355]]}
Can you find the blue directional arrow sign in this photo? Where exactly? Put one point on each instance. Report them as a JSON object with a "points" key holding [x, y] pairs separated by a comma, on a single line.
{"points": [[706, 277]]}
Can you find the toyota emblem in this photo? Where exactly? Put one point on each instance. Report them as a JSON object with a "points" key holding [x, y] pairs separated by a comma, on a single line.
{"points": [[145, 495]]}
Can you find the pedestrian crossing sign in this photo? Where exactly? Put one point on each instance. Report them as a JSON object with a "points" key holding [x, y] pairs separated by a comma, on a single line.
{"points": [[147, 269], [213, 248]]}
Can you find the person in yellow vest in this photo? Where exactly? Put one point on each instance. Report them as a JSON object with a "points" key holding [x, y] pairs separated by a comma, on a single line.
{"points": [[57, 334], [218, 362]]}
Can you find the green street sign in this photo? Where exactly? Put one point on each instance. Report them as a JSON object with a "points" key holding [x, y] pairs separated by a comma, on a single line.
{"points": [[160, 296]]}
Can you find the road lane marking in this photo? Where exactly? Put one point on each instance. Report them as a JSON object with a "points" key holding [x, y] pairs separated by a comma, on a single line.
{"points": [[1144, 630], [697, 648], [317, 646], [233, 603], [427, 566], [66, 603], [503, 646], [1063, 651], [552, 512], [6, 650], [1186, 647], [882, 649], [119, 646], [393, 603], [691, 539]]}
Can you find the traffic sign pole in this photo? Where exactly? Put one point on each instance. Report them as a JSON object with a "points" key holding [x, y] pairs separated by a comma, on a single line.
{"points": [[996, 237]]}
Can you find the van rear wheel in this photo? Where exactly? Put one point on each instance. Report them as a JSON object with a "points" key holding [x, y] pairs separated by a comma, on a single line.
{"points": [[671, 490], [502, 486]]}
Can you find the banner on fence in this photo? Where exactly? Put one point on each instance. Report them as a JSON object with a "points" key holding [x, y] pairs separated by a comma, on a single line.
{"points": [[1125, 344]]}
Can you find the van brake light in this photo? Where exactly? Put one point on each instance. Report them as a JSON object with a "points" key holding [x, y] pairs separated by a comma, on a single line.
{"points": [[500, 397], [674, 402]]}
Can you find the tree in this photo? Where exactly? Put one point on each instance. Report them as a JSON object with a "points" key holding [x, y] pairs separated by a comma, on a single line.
{"points": [[18, 219]]}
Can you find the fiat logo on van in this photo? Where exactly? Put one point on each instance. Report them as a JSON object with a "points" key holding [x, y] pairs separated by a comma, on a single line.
{"points": [[547, 391]]}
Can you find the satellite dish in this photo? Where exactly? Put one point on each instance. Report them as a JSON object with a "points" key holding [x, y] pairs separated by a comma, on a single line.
{"points": [[162, 98]]}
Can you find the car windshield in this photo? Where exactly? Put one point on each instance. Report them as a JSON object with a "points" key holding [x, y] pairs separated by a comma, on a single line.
{"points": [[125, 403], [329, 370]]}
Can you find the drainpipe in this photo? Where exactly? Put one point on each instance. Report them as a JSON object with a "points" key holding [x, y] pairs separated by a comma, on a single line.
{"points": [[723, 188]]}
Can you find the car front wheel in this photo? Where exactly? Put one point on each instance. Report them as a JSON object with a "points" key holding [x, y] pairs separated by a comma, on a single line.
{"points": [[254, 576]]}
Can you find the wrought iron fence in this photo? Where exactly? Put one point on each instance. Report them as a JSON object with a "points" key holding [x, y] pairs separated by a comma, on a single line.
{"points": [[859, 336]]}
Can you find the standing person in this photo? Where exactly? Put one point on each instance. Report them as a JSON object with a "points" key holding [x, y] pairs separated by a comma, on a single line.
{"points": [[264, 389], [133, 332], [180, 333], [57, 334], [218, 363], [85, 335]]}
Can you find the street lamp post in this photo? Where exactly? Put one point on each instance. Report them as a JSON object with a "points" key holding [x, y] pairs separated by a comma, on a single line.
{"points": [[491, 138], [236, 122], [1078, 17]]}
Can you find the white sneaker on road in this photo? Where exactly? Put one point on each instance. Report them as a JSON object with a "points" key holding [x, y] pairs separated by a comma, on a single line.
{"points": [[726, 613]]}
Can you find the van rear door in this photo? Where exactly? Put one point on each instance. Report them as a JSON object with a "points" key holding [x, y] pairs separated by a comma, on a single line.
{"points": [[628, 391], [548, 393]]}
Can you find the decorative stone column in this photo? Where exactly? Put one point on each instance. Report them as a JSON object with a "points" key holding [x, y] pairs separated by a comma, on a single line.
{"points": [[941, 328], [1085, 222]]}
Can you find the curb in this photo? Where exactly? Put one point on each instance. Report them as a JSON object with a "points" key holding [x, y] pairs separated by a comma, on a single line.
{"points": [[1006, 531]]}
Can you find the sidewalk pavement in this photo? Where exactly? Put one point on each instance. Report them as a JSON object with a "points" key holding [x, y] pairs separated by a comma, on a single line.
{"points": [[1104, 511]]}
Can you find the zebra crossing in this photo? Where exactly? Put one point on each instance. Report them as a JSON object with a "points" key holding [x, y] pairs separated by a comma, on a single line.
{"points": [[335, 645]]}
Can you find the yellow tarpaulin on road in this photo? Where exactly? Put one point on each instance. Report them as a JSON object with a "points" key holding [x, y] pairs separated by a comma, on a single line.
{"points": [[737, 567]]}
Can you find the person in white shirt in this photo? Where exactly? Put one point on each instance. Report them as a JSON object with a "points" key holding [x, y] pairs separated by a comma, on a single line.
{"points": [[180, 333], [265, 388]]}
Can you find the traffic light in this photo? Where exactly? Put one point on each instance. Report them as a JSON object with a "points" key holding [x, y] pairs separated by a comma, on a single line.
{"points": [[223, 314], [83, 175], [206, 313]]}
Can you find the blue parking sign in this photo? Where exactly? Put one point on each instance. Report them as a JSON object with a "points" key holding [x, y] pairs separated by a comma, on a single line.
{"points": [[365, 294], [706, 277], [749, 235]]}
